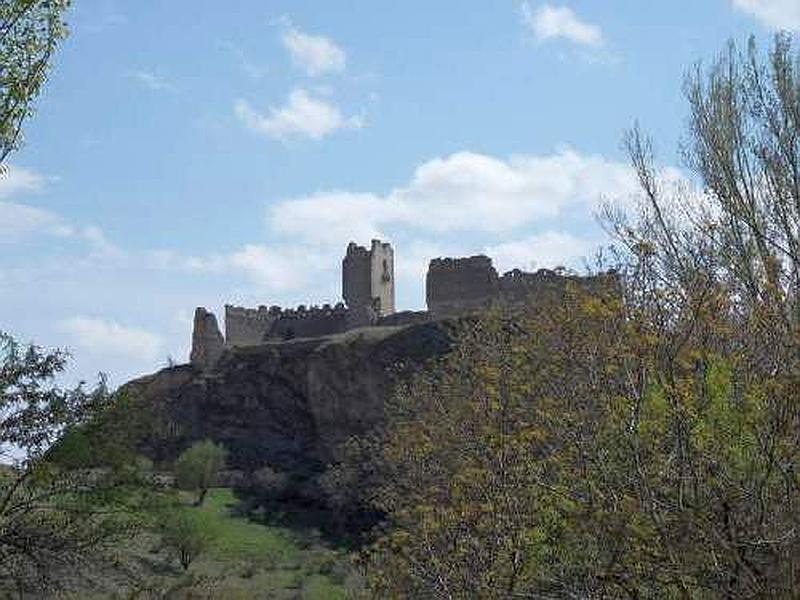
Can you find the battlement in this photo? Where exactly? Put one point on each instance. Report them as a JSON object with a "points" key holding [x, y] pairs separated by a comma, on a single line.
{"points": [[252, 326], [247, 326], [453, 287], [263, 313], [478, 261], [456, 285], [356, 251]]}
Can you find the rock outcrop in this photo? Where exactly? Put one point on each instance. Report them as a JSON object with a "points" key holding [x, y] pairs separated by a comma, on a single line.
{"points": [[287, 405]]}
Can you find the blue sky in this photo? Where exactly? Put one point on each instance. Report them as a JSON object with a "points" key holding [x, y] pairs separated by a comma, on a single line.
{"points": [[197, 153]]}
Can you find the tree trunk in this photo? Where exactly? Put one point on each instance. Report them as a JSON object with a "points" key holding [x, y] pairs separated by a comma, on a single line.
{"points": [[200, 497]]}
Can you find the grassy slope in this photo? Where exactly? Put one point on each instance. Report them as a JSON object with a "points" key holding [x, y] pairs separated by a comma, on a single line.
{"points": [[244, 560], [261, 561]]}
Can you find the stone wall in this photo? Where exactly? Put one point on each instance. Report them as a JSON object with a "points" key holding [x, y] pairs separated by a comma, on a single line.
{"points": [[247, 326], [305, 322], [367, 287], [454, 287], [207, 342], [517, 288], [404, 318], [462, 285], [457, 285], [251, 326]]}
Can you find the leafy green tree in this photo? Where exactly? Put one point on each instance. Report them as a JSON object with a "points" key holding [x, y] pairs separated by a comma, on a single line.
{"points": [[713, 285], [30, 31], [641, 448], [197, 468], [349, 486], [478, 460], [71, 487], [184, 532]]}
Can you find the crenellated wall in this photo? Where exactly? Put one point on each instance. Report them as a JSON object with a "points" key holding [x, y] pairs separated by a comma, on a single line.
{"points": [[249, 326], [454, 287], [462, 285], [519, 288], [313, 321]]}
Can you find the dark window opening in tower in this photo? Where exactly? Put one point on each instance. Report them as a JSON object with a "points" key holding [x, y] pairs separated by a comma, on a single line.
{"points": [[385, 276]]}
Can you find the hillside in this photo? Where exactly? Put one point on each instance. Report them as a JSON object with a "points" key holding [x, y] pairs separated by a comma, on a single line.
{"points": [[286, 405], [245, 557]]}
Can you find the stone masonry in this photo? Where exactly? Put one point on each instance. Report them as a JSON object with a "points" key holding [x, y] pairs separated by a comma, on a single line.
{"points": [[367, 288], [457, 286], [368, 278], [454, 287], [207, 341]]}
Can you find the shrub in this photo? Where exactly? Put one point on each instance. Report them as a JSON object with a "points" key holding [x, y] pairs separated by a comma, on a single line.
{"points": [[197, 468]]}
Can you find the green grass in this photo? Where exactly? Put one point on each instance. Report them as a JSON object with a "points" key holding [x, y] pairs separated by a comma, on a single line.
{"points": [[237, 538], [244, 559], [253, 560]]}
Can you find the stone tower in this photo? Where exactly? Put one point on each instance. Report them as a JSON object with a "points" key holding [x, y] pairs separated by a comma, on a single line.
{"points": [[368, 278], [207, 341]]}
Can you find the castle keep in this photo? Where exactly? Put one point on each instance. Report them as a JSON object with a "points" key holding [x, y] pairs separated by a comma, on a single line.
{"points": [[453, 287], [368, 278]]}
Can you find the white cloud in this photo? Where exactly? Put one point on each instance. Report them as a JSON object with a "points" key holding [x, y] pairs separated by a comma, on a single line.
{"points": [[550, 249], [332, 217], [18, 221], [549, 22], [150, 80], [465, 192], [278, 269], [773, 14], [302, 116], [525, 211], [15, 180], [412, 258], [100, 337], [99, 242], [315, 54], [268, 268]]}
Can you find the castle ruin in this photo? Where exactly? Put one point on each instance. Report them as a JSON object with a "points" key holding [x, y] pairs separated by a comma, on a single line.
{"points": [[453, 287], [368, 280], [456, 286]]}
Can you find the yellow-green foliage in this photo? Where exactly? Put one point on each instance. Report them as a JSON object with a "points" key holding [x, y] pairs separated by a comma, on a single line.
{"points": [[577, 452], [197, 467]]}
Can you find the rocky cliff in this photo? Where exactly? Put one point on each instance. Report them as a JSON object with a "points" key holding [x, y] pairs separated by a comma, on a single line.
{"points": [[286, 405]]}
